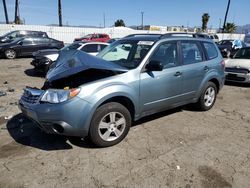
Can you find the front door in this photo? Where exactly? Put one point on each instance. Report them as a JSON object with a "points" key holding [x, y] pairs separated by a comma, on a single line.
{"points": [[161, 89]]}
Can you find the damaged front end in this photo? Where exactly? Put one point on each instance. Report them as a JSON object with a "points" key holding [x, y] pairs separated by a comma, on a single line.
{"points": [[56, 107]]}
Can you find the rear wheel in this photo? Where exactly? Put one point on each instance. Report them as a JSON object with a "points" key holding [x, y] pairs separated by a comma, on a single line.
{"points": [[110, 124], [10, 54], [208, 97]]}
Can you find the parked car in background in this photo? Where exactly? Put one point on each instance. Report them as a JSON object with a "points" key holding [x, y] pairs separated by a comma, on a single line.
{"points": [[42, 59], [238, 68], [8, 37], [247, 39], [27, 45], [136, 76], [94, 37], [229, 47], [214, 37]]}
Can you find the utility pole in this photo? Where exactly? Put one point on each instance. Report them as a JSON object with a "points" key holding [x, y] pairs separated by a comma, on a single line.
{"points": [[60, 12], [16, 12], [220, 26], [104, 20], [142, 13], [5, 12], [225, 19]]}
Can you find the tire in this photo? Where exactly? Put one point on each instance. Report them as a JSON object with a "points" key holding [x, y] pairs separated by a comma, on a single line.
{"points": [[208, 97], [110, 124], [10, 54]]}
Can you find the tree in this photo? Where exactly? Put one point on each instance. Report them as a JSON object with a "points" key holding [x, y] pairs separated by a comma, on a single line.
{"points": [[225, 19], [119, 23], [205, 19], [230, 28]]}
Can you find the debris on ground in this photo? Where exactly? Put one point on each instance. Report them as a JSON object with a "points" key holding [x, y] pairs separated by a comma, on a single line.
{"points": [[8, 117], [178, 167], [13, 103], [2, 93], [11, 90], [6, 82]]}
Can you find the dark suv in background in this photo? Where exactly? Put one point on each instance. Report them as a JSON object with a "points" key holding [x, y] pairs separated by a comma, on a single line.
{"points": [[8, 37], [27, 45]]}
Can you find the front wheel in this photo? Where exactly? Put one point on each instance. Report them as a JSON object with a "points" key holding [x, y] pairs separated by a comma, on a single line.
{"points": [[10, 54], [208, 97], [110, 124]]}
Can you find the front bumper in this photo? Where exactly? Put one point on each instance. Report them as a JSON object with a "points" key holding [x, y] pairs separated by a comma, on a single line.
{"points": [[237, 77], [69, 118], [41, 64]]}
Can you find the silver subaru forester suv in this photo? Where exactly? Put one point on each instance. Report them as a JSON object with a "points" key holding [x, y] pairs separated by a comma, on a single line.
{"points": [[136, 76]]}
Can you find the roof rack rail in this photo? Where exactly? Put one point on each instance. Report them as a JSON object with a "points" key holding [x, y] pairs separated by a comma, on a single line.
{"points": [[183, 34], [143, 34]]}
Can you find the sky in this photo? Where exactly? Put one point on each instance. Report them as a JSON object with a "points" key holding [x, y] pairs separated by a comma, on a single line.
{"points": [[156, 12]]}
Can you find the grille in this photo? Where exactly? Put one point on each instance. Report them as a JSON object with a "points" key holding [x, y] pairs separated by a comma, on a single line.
{"points": [[28, 97], [235, 78], [237, 70]]}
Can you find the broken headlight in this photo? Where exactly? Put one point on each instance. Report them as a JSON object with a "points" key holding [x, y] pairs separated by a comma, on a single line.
{"points": [[58, 96]]}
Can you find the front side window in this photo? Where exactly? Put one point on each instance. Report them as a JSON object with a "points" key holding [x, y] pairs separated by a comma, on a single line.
{"points": [[27, 41], [128, 54], [191, 52], [211, 50], [166, 54]]}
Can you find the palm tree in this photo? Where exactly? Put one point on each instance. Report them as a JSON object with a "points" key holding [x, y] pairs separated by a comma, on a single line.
{"points": [[205, 19], [230, 28], [225, 19]]}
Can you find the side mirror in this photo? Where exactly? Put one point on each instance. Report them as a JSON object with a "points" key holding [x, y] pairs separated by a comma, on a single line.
{"points": [[154, 66]]}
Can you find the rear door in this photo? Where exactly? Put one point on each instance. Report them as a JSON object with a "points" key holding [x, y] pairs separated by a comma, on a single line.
{"points": [[194, 66]]}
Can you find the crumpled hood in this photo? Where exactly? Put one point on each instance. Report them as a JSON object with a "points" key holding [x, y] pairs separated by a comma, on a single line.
{"points": [[242, 63], [71, 62]]}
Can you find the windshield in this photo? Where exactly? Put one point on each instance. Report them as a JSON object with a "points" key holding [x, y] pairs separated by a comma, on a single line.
{"points": [[247, 39], [243, 53], [12, 34], [225, 42], [128, 54]]}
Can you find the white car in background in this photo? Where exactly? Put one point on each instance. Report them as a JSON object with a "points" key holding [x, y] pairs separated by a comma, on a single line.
{"points": [[237, 69], [42, 59]]}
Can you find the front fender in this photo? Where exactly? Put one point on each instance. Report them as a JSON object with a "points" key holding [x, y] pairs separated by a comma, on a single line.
{"points": [[97, 97]]}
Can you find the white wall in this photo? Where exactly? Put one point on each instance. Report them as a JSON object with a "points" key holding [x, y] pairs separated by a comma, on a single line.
{"points": [[67, 34]]}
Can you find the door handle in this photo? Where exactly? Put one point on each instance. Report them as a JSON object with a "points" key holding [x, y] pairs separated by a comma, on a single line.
{"points": [[206, 68], [177, 74]]}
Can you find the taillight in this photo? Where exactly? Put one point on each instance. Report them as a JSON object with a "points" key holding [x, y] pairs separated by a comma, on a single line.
{"points": [[223, 64]]}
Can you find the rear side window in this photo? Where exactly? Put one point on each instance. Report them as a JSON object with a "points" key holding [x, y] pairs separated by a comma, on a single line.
{"points": [[211, 50], [91, 48], [191, 52]]}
